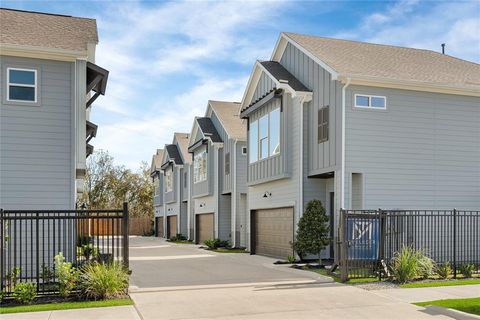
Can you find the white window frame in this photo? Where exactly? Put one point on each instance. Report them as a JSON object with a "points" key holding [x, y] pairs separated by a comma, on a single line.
{"points": [[35, 86], [258, 144], [157, 186], [244, 151], [198, 166], [369, 102]]}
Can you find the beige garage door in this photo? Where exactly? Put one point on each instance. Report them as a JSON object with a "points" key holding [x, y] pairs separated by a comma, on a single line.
{"points": [[273, 230], [204, 227], [159, 226], [171, 226]]}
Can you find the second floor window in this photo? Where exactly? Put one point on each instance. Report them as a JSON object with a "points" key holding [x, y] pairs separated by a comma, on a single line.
{"points": [[264, 136], [22, 85], [156, 183], [200, 167], [169, 180], [370, 102]]}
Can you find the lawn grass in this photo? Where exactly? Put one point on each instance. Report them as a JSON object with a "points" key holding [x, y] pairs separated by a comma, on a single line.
{"points": [[66, 306], [440, 283], [471, 305], [229, 250], [182, 241]]}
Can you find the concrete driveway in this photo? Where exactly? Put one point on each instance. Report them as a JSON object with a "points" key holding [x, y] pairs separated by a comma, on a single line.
{"points": [[184, 282]]}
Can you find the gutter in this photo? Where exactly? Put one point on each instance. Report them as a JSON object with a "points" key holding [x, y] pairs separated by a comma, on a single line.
{"points": [[342, 173]]}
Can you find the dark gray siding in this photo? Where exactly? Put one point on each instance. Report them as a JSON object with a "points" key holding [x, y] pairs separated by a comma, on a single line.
{"points": [[421, 153], [36, 142], [326, 92]]}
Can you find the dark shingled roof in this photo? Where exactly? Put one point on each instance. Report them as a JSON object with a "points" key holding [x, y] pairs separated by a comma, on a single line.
{"points": [[208, 129], [282, 74], [174, 154]]}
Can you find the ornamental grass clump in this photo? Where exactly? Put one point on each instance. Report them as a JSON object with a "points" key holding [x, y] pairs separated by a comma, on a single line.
{"points": [[410, 263], [443, 270], [101, 281]]}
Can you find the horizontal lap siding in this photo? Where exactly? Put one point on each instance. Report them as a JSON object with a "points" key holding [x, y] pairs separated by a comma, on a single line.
{"points": [[36, 153], [422, 152]]}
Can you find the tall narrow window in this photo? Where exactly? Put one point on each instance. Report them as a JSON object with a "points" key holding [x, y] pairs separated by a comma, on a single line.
{"points": [[184, 179], [274, 132], [200, 167], [22, 85], [227, 163], [169, 179], [263, 136], [157, 186], [323, 116], [253, 142]]}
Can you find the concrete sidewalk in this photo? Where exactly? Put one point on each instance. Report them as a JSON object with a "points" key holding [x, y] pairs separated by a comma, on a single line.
{"points": [[106, 313], [429, 294]]}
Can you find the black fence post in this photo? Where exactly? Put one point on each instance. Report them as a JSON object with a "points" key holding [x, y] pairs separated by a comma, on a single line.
{"points": [[343, 247], [381, 243], [454, 243], [125, 235], [1, 250]]}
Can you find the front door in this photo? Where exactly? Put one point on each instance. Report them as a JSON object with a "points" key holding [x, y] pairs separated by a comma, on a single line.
{"points": [[332, 224]]}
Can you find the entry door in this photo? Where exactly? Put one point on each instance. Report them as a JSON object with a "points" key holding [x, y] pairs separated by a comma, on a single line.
{"points": [[171, 226], [332, 224], [159, 227], [204, 227]]}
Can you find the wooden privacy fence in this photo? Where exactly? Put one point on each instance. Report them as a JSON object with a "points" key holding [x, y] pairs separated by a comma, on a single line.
{"points": [[30, 239], [140, 226], [369, 239]]}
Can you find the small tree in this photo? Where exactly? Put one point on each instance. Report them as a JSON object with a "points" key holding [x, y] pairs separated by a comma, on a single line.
{"points": [[313, 233]]}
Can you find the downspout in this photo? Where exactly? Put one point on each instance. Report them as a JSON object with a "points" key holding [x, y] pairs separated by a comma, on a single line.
{"points": [[342, 173], [300, 202], [234, 193], [179, 200], [189, 204], [216, 189]]}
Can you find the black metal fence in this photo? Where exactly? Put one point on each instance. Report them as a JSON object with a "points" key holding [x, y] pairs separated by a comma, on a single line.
{"points": [[30, 239], [369, 239]]}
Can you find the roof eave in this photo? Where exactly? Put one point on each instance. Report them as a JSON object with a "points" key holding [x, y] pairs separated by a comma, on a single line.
{"points": [[409, 85], [43, 52]]}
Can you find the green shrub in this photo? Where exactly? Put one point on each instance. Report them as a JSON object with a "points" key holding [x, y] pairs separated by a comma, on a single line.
{"points": [[88, 251], [213, 244], [3, 294], [410, 263], [291, 259], [13, 276], [443, 270], [103, 281], [47, 274], [178, 237], [25, 293], [425, 265], [83, 240], [313, 232], [66, 273], [467, 269]]}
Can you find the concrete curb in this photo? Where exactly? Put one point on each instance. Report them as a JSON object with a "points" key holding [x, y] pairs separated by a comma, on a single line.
{"points": [[455, 314]]}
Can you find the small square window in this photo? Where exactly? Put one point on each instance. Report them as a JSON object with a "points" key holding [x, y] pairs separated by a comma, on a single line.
{"points": [[377, 102], [362, 101], [244, 151], [22, 85]]}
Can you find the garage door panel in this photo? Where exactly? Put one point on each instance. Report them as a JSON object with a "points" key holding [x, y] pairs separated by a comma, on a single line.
{"points": [[204, 227], [274, 232], [172, 226], [159, 226]]}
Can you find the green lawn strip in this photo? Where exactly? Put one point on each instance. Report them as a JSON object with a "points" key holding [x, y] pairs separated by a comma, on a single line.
{"points": [[440, 283], [471, 305], [66, 306], [224, 250]]}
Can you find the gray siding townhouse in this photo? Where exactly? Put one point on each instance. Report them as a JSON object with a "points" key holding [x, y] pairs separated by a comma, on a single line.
{"points": [[48, 82], [357, 126], [219, 151], [176, 205], [157, 178]]}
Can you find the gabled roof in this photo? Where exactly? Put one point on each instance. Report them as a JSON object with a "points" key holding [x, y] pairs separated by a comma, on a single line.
{"points": [[229, 115], [34, 29], [182, 140], [156, 161], [283, 75], [173, 154], [208, 129], [353, 59]]}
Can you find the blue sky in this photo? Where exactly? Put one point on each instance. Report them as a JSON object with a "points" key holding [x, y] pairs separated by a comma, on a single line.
{"points": [[166, 59]]}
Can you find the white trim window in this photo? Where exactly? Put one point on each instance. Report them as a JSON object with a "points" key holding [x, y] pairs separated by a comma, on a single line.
{"points": [[200, 167], [157, 186], [22, 85], [370, 102], [264, 136], [169, 179]]}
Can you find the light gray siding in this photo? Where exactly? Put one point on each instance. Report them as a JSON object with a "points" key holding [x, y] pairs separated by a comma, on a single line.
{"points": [[326, 92], [224, 217], [275, 167], [265, 85], [226, 180], [241, 168], [36, 142], [421, 153]]}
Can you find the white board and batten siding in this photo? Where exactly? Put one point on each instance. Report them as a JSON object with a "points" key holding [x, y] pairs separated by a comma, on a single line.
{"points": [[422, 152], [37, 157]]}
